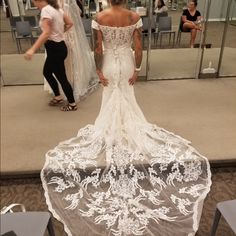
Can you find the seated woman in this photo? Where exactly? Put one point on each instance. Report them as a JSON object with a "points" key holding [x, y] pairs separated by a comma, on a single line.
{"points": [[160, 6], [190, 18]]}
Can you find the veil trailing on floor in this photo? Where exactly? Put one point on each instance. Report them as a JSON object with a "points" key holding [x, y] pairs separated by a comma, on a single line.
{"points": [[80, 66]]}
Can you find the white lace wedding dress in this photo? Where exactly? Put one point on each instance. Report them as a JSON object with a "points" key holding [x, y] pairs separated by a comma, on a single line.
{"points": [[122, 175]]}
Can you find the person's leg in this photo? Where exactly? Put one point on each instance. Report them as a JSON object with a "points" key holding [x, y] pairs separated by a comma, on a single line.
{"points": [[48, 74], [66, 87], [193, 37], [60, 74], [190, 27], [58, 53]]}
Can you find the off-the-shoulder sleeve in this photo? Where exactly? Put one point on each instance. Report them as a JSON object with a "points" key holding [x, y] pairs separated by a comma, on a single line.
{"points": [[139, 24], [95, 25]]}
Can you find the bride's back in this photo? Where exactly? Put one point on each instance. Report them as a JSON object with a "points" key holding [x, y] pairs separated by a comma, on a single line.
{"points": [[117, 16]]}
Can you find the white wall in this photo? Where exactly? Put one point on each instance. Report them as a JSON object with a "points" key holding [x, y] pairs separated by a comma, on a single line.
{"points": [[218, 9]]}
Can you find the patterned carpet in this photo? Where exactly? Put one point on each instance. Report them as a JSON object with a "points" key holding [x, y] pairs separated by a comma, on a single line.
{"points": [[30, 193]]}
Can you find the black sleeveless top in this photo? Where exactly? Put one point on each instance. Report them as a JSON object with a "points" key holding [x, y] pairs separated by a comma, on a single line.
{"points": [[189, 16]]}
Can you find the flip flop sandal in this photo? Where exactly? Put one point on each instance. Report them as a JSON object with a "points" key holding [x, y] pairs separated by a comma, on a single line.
{"points": [[55, 102], [69, 107]]}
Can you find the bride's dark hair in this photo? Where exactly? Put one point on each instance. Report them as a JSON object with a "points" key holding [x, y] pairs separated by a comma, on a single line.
{"points": [[117, 2]]}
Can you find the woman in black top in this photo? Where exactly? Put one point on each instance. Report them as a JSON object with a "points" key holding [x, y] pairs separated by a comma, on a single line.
{"points": [[190, 18]]}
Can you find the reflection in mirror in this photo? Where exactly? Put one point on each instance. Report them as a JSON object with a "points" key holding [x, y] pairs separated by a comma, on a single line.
{"points": [[227, 67], [16, 41], [175, 48], [12, 48], [171, 56], [181, 61], [220, 37], [213, 37]]}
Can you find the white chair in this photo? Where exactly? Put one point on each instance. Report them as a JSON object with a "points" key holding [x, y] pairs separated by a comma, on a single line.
{"points": [[228, 210], [25, 223]]}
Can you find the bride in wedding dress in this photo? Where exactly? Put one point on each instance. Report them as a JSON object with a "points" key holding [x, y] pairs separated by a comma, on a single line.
{"points": [[80, 67], [124, 176]]}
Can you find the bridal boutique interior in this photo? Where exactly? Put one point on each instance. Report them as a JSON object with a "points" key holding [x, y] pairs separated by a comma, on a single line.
{"points": [[189, 91]]}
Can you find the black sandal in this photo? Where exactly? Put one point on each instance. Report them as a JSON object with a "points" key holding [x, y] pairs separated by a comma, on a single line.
{"points": [[69, 107], [55, 102]]}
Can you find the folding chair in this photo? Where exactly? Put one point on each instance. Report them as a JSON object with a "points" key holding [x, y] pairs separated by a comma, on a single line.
{"points": [[25, 223], [180, 32], [146, 26], [23, 31], [160, 14], [165, 27], [88, 29], [228, 210], [13, 20], [32, 21]]}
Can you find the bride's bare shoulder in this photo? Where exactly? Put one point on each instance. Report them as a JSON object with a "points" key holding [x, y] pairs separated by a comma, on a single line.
{"points": [[102, 16], [107, 17], [134, 17]]}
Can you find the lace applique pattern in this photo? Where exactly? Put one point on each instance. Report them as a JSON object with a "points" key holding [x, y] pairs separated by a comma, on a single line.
{"points": [[119, 37], [120, 193]]}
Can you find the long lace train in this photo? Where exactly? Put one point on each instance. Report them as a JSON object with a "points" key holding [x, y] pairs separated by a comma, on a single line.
{"points": [[105, 179]]}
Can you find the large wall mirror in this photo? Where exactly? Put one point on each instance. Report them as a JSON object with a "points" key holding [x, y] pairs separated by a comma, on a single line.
{"points": [[14, 69], [221, 55], [166, 49]]}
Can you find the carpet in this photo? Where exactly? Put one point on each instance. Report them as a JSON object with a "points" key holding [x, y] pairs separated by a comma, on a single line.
{"points": [[30, 193]]}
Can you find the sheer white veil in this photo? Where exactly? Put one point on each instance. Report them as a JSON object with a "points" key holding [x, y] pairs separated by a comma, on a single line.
{"points": [[80, 66]]}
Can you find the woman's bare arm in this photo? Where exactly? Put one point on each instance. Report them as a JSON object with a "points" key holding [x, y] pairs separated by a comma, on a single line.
{"points": [[138, 50], [46, 26], [138, 54], [68, 22], [98, 55], [98, 51], [184, 20]]}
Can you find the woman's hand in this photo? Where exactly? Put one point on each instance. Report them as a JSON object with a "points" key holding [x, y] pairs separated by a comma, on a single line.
{"points": [[102, 79], [29, 54], [133, 79]]}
